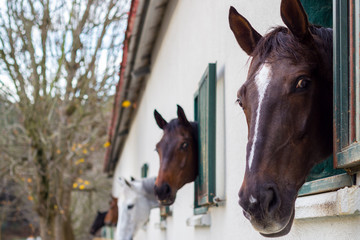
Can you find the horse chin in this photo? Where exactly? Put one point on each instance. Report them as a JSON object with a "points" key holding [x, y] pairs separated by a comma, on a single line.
{"points": [[282, 230], [166, 202]]}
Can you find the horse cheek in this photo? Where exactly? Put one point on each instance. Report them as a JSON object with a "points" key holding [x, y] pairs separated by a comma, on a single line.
{"points": [[183, 162]]}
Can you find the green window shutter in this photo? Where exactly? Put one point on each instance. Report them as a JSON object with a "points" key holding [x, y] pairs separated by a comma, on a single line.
{"points": [[144, 170], [205, 115], [319, 12], [325, 176], [347, 84]]}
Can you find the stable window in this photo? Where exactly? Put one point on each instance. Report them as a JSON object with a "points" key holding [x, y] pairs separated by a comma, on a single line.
{"points": [[347, 85], [144, 170], [330, 174], [205, 115]]}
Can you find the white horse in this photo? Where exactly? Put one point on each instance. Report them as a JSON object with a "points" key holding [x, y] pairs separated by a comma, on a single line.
{"points": [[136, 199]]}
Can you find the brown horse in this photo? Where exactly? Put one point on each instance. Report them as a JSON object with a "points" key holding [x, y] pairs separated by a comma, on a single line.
{"points": [[98, 222], [111, 218], [178, 152], [287, 100]]}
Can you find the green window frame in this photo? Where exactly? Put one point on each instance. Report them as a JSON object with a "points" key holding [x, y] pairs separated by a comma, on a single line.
{"points": [[205, 115], [346, 88], [164, 213], [107, 232], [346, 102], [144, 170]]}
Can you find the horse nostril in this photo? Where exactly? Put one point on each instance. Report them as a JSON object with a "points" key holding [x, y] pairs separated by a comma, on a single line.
{"points": [[244, 204], [272, 201], [163, 191], [247, 215], [167, 189]]}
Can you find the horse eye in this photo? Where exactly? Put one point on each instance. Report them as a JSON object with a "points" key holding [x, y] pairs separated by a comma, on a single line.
{"points": [[302, 83], [184, 145], [130, 206], [239, 102]]}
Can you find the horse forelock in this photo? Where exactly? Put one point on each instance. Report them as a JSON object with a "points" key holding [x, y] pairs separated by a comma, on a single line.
{"points": [[279, 43], [173, 126]]}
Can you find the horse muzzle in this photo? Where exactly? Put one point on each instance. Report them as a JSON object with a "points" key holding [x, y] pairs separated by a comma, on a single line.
{"points": [[264, 209], [271, 227], [284, 230], [164, 194]]}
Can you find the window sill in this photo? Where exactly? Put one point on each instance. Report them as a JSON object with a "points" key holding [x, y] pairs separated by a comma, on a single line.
{"points": [[161, 225], [342, 202], [201, 220]]}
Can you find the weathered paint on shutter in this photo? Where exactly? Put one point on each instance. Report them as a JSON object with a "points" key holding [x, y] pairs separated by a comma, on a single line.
{"points": [[320, 13], [346, 85], [205, 115], [324, 176]]}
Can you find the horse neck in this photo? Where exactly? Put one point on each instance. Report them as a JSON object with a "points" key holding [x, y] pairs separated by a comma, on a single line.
{"points": [[326, 44], [325, 49], [195, 131], [99, 221]]}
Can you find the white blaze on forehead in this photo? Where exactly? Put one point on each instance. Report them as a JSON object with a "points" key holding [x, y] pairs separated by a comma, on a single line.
{"points": [[262, 80]]}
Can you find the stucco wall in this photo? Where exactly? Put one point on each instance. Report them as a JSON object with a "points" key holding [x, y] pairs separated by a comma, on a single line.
{"points": [[194, 33]]}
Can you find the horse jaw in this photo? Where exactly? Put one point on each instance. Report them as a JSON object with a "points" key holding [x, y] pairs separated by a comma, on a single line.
{"points": [[167, 202], [284, 231]]}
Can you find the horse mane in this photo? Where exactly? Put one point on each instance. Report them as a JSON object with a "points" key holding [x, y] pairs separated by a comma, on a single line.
{"points": [[283, 45]]}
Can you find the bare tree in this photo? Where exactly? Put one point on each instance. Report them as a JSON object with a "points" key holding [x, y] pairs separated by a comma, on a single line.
{"points": [[15, 211], [61, 60]]}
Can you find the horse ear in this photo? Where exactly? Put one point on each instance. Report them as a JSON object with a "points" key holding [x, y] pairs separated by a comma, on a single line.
{"points": [[159, 120], [295, 18], [127, 183], [182, 116], [123, 181], [245, 34]]}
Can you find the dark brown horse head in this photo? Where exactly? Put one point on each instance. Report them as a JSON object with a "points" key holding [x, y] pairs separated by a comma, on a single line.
{"points": [[111, 217], [98, 222], [287, 100], [178, 156]]}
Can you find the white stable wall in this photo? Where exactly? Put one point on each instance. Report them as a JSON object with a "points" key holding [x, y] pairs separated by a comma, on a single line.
{"points": [[195, 33]]}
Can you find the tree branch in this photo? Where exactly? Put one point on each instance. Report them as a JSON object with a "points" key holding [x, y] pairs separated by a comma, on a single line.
{"points": [[46, 22]]}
